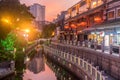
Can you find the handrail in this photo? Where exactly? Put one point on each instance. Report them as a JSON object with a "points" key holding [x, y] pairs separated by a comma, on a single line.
{"points": [[89, 69]]}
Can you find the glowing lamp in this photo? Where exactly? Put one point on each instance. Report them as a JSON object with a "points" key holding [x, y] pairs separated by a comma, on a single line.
{"points": [[83, 23], [53, 33], [27, 30], [73, 26], [97, 19], [66, 27], [6, 20]]}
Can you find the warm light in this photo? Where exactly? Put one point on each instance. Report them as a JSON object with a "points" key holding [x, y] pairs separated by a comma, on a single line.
{"points": [[53, 33], [25, 35], [94, 4], [83, 23], [73, 26], [5, 20], [66, 27], [97, 19], [27, 30], [27, 59]]}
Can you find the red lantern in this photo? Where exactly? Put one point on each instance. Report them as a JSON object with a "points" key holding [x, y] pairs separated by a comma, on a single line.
{"points": [[73, 26], [98, 19], [66, 27], [83, 23]]}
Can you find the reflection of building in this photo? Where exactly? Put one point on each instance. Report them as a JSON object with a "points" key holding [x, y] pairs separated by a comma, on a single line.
{"points": [[38, 11], [37, 65]]}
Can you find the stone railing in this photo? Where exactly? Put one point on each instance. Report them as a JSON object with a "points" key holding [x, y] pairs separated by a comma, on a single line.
{"points": [[112, 49], [91, 70]]}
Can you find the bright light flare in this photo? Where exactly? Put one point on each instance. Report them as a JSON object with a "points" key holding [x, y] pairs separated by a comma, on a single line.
{"points": [[27, 59], [6, 20], [53, 33], [27, 30]]}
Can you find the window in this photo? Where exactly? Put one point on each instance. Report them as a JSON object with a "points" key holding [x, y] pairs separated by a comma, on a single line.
{"points": [[83, 9], [74, 12], [67, 15], [111, 14], [118, 13]]}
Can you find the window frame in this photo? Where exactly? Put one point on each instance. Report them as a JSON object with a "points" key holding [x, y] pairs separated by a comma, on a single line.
{"points": [[117, 12], [113, 15]]}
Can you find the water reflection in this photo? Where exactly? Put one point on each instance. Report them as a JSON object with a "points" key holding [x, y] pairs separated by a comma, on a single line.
{"points": [[60, 72], [41, 68], [36, 65], [37, 69]]}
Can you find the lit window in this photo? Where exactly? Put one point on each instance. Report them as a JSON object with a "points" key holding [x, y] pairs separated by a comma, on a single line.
{"points": [[118, 13], [94, 4], [100, 2], [111, 14]]}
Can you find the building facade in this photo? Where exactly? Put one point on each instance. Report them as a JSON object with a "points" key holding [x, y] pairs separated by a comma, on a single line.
{"points": [[96, 20], [38, 11]]}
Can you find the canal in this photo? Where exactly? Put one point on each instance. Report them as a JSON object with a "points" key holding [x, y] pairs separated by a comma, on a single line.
{"points": [[40, 67]]}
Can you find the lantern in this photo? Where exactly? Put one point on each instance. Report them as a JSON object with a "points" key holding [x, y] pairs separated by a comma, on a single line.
{"points": [[83, 23], [73, 26], [66, 27], [98, 19]]}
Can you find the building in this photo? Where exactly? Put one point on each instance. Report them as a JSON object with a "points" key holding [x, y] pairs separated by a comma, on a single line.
{"points": [[38, 11], [96, 20]]}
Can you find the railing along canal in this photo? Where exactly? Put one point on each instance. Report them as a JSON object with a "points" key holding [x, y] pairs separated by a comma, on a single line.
{"points": [[84, 65]]}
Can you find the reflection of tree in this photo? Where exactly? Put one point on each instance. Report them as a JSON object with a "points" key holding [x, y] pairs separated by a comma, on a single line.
{"points": [[37, 65], [59, 71], [48, 30]]}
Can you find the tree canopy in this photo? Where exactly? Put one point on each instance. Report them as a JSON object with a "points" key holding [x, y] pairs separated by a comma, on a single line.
{"points": [[48, 30], [13, 14]]}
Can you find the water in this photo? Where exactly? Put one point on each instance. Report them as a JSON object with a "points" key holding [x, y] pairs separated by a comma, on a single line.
{"points": [[42, 68]]}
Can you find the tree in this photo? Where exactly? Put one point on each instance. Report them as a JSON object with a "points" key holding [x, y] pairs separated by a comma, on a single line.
{"points": [[8, 43], [12, 15], [48, 30]]}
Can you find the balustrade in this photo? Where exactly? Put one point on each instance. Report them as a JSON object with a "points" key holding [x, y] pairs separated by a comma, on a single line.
{"points": [[98, 47], [87, 67]]}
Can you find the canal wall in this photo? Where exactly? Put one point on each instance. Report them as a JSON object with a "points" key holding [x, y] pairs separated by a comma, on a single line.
{"points": [[6, 68], [61, 72], [108, 64]]}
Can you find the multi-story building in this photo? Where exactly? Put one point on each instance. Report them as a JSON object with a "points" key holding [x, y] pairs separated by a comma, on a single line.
{"points": [[38, 11], [83, 16], [96, 20]]}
